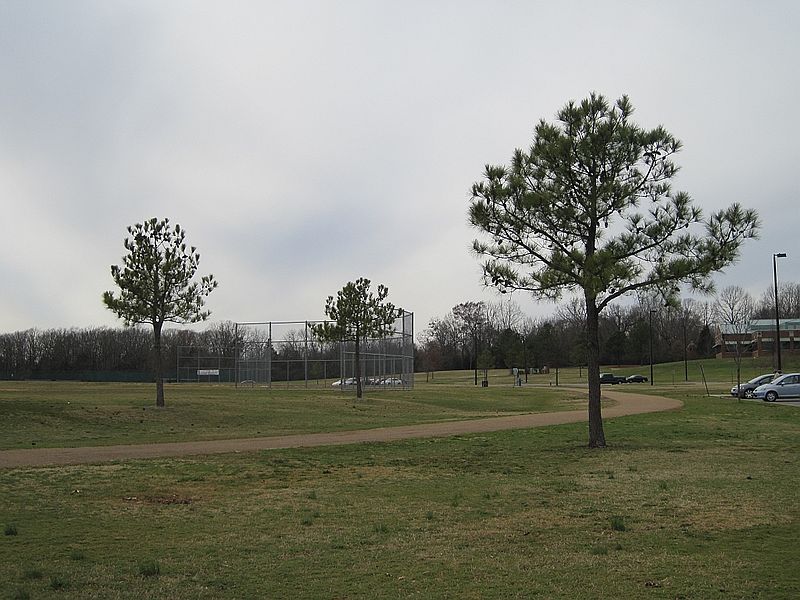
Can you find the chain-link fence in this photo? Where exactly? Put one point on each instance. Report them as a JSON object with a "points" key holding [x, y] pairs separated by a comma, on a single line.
{"points": [[287, 353]]}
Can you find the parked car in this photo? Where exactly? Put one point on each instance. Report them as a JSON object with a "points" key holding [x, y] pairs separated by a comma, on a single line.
{"points": [[392, 381], [636, 379], [785, 386], [749, 386], [611, 378], [341, 382]]}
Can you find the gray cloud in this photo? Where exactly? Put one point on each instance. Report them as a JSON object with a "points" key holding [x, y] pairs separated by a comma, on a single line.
{"points": [[305, 144]]}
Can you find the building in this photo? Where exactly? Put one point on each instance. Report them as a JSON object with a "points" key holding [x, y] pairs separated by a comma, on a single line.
{"points": [[758, 338]]}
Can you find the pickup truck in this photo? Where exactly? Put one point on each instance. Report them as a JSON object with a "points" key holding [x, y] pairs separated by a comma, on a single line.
{"points": [[611, 378]]}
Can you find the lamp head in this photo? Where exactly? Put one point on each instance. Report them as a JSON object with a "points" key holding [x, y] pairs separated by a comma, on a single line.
{"points": [[780, 255]]}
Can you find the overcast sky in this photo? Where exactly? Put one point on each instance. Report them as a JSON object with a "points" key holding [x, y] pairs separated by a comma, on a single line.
{"points": [[305, 144]]}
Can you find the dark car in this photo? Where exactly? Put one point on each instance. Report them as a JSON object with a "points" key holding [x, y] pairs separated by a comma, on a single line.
{"points": [[636, 379], [749, 386], [611, 378]]}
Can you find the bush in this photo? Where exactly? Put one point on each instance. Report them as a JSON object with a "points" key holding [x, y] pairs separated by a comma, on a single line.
{"points": [[618, 523], [149, 568], [57, 583]]}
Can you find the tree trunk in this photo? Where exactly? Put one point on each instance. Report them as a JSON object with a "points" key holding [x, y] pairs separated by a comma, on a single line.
{"points": [[739, 393], [157, 365], [597, 438]]}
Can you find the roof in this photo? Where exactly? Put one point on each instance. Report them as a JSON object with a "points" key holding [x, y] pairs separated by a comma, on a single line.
{"points": [[769, 324], [760, 325]]}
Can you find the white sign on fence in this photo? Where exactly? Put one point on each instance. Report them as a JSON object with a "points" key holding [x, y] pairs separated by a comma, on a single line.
{"points": [[208, 372]]}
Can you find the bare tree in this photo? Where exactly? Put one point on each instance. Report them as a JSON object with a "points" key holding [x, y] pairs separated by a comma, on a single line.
{"points": [[505, 314], [788, 302], [733, 310], [471, 316]]}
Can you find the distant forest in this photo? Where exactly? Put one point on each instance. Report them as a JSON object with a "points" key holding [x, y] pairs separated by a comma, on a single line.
{"points": [[498, 334], [501, 336], [100, 353]]}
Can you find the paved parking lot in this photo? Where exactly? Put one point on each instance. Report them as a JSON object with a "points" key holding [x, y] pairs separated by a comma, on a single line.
{"points": [[792, 402]]}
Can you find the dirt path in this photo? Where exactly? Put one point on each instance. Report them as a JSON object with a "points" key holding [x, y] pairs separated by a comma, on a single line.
{"points": [[627, 404]]}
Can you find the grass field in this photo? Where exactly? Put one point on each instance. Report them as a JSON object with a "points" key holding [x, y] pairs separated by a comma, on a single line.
{"points": [[699, 503], [65, 414]]}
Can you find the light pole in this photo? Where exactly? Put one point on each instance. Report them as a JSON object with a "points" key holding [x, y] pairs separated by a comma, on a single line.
{"points": [[524, 356], [651, 345], [775, 258], [685, 348], [476, 331], [475, 352]]}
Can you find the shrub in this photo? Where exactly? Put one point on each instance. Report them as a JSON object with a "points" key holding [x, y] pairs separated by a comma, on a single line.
{"points": [[57, 583], [149, 568], [380, 528], [618, 523], [32, 574]]}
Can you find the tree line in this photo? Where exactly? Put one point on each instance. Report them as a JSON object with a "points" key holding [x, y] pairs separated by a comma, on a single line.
{"points": [[504, 337], [126, 353], [499, 335], [100, 353], [788, 302]]}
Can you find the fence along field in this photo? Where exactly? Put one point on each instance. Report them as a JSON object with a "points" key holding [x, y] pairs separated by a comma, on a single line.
{"points": [[287, 352]]}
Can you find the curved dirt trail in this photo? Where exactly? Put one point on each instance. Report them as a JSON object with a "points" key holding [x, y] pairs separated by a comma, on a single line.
{"points": [[627, 404]]}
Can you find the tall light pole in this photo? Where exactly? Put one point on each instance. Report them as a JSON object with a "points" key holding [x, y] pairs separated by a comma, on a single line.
{"points": [[524, 356], [476, 331], [685, 349], [775, 258], [475, 351], [651, 345]]}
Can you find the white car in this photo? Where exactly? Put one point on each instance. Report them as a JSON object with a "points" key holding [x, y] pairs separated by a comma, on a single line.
{"points": [[392, 381], [348, 381], [785, 386]]}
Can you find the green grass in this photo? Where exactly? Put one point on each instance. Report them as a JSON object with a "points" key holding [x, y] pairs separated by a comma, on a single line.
{"points": [[149, 568], [41, 414], [698, 503], [718, 372]]}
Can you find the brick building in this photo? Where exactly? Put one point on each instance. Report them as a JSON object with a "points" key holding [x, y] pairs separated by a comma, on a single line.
{"points": [[758, 339]]}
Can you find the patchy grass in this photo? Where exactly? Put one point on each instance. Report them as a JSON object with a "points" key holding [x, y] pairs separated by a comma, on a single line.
{"points": [[53, 414], [618, 523], [707, 497], [149, 568]]}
